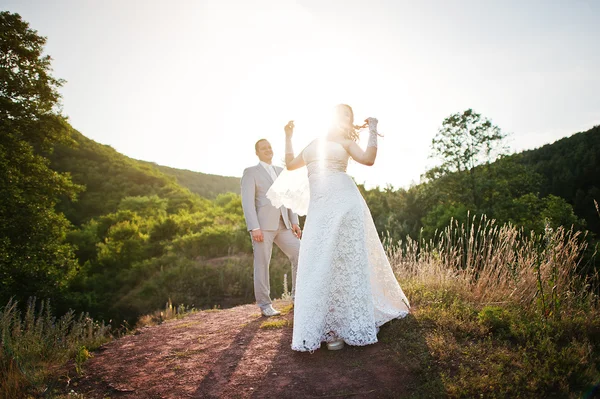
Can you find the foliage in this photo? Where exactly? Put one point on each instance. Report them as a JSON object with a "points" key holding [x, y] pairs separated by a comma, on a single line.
{"points": [[34, 259], [200, 284], [569, 169], [203, 184], [127, 254], [170, 312], [459, 348], [465, 141], [81, 356], [29, 91], [494, 319], [110, 177], [515, 189], [132, 217], [497, 312], [499, 263], [36, 342]]}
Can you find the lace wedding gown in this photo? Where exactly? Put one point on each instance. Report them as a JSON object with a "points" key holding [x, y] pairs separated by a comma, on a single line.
{"points": [[345, 287]]}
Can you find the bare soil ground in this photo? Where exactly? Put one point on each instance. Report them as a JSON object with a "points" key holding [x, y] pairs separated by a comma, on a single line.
{"points": [[231, 354]]}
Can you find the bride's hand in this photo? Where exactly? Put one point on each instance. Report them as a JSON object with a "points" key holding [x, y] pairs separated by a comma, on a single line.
{"points": [[370, 121], [289, 129]]}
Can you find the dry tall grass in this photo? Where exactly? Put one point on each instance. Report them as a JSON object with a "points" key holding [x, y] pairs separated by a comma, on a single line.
{"points": [[35, 344], [499, 312], [492, 264]]}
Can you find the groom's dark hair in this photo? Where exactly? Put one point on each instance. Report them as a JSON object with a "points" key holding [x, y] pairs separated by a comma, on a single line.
{"points": [[257, 143]]}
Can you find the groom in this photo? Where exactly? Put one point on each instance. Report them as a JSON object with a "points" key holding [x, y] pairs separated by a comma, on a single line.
{"points": [[267, 225]]}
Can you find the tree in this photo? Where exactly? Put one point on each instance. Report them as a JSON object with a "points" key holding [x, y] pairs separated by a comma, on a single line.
{"points": [[464, 143], [34, 258]]}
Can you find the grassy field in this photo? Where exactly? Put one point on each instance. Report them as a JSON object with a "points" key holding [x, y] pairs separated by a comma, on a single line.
{"points": [[496, 312]]}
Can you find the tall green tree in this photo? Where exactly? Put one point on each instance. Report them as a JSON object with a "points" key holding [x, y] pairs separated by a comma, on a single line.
{"points": [[34, 258], [464, 142]]}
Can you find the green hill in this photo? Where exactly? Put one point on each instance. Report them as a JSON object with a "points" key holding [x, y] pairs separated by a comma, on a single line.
{"points": [[141, 236], [109, 176], [571, 169], [203, 184]]}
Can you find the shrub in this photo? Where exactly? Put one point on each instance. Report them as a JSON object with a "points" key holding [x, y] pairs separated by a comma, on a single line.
{"points": [[36, 339], [496, 319]]}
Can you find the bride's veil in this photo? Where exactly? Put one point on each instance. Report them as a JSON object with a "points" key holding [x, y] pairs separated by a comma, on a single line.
{"points": [[291, 190]]}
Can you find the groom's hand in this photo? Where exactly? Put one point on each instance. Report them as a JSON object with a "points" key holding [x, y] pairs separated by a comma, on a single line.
{"points": [[257, 235], [297, 231]]}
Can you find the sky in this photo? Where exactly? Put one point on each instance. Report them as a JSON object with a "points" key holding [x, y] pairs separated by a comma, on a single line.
{"points": [[194, 84]]}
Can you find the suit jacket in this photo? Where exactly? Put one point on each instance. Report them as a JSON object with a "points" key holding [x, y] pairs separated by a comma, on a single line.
{"points": [[258, 210]]}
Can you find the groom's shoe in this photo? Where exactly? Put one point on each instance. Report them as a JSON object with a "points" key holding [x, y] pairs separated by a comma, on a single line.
{"points": [[269, 311]]}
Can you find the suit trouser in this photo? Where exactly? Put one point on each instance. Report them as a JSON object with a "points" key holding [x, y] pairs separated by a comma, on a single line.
{"points": [[289, 244]]}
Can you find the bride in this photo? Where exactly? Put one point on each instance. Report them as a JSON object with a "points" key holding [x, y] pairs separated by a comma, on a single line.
{"points": [[345, 287]]}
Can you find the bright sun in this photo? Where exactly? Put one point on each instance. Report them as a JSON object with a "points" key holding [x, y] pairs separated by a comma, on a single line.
{"points": [[299, 74], [279, 90]]}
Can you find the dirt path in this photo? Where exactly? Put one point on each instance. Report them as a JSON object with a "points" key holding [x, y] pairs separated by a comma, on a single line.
{"points": [[226, 354]]}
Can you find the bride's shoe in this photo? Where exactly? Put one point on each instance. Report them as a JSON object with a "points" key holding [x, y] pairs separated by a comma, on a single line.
{"points": [[335, 345]]}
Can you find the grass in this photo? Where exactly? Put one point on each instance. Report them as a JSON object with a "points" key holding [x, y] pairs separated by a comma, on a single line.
{"points": [[187, 325], [160, 316], [35, 345], [497, 312], [203, 283], [286, 309], [275, 324], [467, 350]]}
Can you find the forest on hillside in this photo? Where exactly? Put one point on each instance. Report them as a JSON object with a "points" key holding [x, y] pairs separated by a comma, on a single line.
{"points": [[205, 185]]}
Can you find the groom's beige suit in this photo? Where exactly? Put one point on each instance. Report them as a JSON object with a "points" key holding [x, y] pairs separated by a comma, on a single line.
{"points": [[275, 223]]}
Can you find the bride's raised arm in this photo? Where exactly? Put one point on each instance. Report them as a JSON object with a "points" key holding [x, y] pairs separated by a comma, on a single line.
{"points": [[291, 162], [365, 157]]}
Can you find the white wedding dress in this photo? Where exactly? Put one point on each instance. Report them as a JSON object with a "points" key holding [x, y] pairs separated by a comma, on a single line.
{"points": [[345, 287]]}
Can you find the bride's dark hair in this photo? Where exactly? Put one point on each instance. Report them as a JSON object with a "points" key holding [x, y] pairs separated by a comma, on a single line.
{"points": [[352, 133]]}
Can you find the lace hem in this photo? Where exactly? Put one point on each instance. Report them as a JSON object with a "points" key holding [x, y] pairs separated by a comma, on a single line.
{"points": [[354, 342]]}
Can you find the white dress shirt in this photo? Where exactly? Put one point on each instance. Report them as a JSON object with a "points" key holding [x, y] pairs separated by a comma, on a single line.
{"points": [[269, 168]]}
